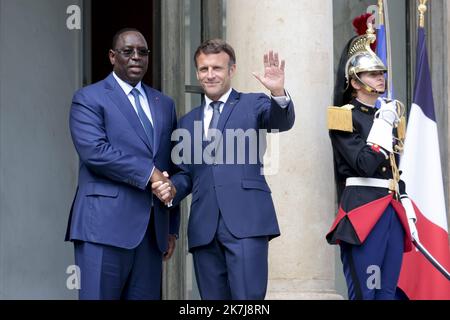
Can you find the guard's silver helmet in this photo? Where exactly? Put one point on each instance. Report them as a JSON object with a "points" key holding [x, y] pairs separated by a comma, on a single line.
{"points": [[361, 58]]}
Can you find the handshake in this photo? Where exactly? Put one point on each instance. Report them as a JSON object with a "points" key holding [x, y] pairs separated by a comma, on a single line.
{"points": [[162, 187]]}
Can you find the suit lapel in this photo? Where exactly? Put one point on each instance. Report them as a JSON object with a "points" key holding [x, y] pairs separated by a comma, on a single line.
{"points": [[228, 109], [156, 109], [119, 98]]}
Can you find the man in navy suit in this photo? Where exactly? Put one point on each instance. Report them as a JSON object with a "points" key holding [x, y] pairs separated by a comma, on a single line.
{"points": [[121, 130], [232, 215]]}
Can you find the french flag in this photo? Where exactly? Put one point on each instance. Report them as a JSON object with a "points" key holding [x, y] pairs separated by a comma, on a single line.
{"points": [[382, 51], [422, 174]]}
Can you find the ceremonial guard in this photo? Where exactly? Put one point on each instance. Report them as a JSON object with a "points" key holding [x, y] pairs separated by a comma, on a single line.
{"points": [[367, 131]]}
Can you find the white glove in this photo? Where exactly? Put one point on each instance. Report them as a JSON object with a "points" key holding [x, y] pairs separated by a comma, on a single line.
{"points": [[385, 120], [381, 134], [388, 112], [411, 215]]}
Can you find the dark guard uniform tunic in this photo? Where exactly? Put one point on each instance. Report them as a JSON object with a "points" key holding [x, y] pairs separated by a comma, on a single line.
{"points": [[371, 225]]}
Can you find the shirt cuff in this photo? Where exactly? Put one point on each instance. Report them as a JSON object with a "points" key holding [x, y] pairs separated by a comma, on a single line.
{"points": [[282, 101], [170, 204], [151, 173]]}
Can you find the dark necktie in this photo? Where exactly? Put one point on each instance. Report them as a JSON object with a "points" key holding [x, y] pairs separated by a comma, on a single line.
{"points": [[216, 114], [213, 125], [143, 117]]}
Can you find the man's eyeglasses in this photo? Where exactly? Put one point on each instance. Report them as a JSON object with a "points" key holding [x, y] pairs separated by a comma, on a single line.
{"points": [[129, 52]]}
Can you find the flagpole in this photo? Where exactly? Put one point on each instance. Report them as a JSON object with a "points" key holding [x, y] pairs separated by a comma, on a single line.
{"points": [[380, 12], [384, 17], [422, 9]]}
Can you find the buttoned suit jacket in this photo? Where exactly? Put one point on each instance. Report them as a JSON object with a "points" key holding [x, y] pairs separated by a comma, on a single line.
{"points": [[113, 203]]}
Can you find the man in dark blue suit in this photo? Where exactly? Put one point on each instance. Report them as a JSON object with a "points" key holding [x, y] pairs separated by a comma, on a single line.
{"points": [[232, 215], [121, 130]]}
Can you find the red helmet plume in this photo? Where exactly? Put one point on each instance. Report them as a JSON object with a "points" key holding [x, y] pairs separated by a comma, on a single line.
{"points": [[360, 25]]}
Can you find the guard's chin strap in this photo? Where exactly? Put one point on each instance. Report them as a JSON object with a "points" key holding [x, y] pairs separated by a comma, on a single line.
{"points": [[367, 87]]}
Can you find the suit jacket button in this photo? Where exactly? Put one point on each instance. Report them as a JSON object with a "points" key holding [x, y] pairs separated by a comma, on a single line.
{"points": [[383, 169]]}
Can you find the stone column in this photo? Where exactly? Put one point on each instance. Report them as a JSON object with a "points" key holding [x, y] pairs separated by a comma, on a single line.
{"points": [[301, 262], [172, 82], [436, 21]]}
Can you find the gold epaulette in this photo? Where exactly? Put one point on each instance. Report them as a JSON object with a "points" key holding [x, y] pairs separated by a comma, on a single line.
{"points": [[340, 118]]}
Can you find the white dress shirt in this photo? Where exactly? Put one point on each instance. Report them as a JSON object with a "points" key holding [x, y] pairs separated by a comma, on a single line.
{"points": [[126, 87], [208, 110]]}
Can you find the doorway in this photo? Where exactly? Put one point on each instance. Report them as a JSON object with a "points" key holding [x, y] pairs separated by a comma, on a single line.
{"points": [[108, 17], [173, 30]]}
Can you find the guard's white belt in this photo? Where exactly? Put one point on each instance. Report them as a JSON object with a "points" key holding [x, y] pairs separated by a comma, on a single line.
{"points": [[368, 182]]}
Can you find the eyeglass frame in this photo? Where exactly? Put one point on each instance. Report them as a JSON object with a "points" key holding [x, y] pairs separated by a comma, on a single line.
{"points": [[139, 52]]}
